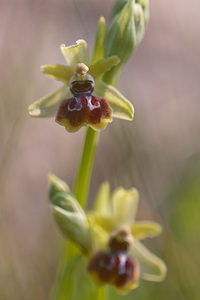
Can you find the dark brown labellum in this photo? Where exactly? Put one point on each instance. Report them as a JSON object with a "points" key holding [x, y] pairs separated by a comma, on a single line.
{"points": [[116, 269], [84, 108]]}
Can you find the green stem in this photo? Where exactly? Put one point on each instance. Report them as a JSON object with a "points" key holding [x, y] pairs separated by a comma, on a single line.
{"points": [[81, 189], [82, 183]]}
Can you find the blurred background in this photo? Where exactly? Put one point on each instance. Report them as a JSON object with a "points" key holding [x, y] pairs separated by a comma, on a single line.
{"points": [[158, 152]]}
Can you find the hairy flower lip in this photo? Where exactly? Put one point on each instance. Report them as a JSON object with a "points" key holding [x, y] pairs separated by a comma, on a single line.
{"points": [[117, 269], [85, 110]]}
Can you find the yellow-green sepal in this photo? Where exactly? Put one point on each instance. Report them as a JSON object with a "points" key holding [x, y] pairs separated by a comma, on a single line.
{"points": [[103, 65], [105, 222], [142, 230], [69, 215], [47, 106], [152, 268], [124, 205], [58, 72], [98, 51], [76, 54], [121, 107], [99, 229], [72, 220], [102, 203]]}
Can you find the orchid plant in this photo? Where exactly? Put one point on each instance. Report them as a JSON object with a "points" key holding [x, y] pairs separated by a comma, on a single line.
{"points": [[104, 251]]}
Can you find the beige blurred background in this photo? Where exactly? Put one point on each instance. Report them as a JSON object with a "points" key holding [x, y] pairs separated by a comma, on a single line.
{"points": [[154, 153]]}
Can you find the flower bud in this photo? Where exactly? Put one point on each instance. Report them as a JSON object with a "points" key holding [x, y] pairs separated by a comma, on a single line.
{"points": [[121, 36], [125, 32]]}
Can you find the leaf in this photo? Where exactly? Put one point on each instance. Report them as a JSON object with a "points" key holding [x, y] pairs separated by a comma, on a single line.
{"points": [[141, 230], [76, 53], [124, 204], [58, 72], [102, 202], [48, 105], [103, 65], [152, 267], [71, 219], [98, 51], [122, 108]]}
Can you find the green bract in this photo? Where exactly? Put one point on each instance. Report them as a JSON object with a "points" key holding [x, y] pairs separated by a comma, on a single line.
{"points": [[96, 227], [75, 54]]}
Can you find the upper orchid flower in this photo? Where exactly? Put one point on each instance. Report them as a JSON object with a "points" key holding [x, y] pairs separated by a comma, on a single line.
{"points": [[109, 235], [93, 103]]}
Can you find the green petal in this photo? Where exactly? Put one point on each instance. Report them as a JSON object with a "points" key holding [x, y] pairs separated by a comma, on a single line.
{"points": [[71, 219], [152, 268], [103, 65], [100, 228], [98, 51], [76, 53], [48, 105], [106, 223], [121, 107], [141, 230], [124, 203], [58, 72], [102, 201]]}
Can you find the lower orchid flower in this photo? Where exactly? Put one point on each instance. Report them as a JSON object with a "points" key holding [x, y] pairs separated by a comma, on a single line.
{"points": [[109, 236]]}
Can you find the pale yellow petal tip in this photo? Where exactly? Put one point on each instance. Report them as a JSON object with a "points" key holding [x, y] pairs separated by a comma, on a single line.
{"points": [[135, 192], [33, 112], [62, 46], [78, 42], [51, 177], [102, 19], [42, 67], [132, 112], [81, 42]]}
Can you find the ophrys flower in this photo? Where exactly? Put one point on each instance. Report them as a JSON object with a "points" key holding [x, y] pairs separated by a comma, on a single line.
{"points": [[109, 235], [76, 55]]}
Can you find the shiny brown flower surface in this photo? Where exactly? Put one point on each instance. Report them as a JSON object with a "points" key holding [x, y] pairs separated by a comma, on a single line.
{"points": [[117, 269], [84, 108]]}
